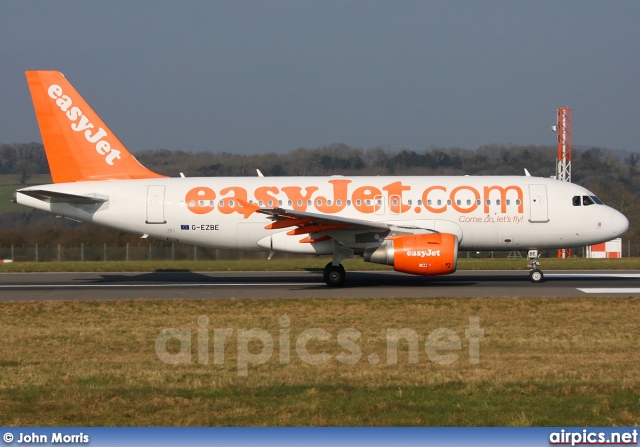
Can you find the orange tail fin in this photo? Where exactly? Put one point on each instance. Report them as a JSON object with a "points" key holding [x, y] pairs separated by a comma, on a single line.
{"points": [[78, 144]]}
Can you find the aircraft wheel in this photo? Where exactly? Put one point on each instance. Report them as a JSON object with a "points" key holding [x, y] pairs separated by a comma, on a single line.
{"points": [[334, 275], [536, 275]]}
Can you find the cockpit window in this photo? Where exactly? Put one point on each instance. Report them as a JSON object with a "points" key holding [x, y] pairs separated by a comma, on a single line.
{"points": [[586, 201]]}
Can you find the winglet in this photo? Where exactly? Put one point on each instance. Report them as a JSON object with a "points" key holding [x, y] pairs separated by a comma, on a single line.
{"points": [[78, 144], [248, 208], [286, 223]]}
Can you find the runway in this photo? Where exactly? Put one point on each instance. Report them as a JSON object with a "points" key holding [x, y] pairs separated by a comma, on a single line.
{"points": [[305, 284]]}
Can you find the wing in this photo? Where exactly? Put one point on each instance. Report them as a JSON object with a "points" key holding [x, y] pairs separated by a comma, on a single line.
{"points": [[321, 227]]}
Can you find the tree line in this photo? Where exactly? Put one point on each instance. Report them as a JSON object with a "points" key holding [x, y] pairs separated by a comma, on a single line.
{"points": [[615, 178]]}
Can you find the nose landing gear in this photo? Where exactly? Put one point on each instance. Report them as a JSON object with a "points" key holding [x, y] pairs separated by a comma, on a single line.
{"points": [[535, 274]]}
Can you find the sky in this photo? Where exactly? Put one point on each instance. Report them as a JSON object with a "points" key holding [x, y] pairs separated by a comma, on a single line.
{"points": [[255, 76]]}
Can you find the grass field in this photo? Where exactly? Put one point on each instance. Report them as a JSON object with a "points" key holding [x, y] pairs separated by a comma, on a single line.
{"points": [[8, 185], [313, 263], [550, 361], [14, 180], [6, 206]]}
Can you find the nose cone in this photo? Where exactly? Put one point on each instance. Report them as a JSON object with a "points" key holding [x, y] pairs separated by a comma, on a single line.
{"points": [[619, 223]]}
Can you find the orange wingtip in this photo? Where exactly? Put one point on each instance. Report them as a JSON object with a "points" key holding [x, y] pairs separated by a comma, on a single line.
{"points": [[248, 208], [310, 240], [308, 229], [285, 223], [79, 145]]}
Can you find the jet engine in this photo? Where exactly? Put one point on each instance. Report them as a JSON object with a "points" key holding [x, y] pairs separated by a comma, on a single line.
{"points": [[418, 254]]}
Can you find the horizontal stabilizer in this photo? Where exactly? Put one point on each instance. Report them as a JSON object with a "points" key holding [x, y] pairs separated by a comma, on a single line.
{"points": [[61, 197]]}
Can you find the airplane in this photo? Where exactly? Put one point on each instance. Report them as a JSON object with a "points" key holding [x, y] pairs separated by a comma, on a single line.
{"points": [[416, 224]]}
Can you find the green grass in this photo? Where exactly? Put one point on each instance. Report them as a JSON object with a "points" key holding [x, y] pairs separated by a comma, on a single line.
{"points": [[9, 183], [446, 405], [6, 206], [303, 264], [543, 362], [14, 180]]}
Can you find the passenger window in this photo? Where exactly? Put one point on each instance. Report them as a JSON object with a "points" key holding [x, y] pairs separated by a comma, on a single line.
{"points": [[339, 202], [576, 200], [299, 202]]}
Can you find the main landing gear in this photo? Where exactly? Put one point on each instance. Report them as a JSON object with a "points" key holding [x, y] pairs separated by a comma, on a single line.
{"points": [[535, 274], [334, 275]]}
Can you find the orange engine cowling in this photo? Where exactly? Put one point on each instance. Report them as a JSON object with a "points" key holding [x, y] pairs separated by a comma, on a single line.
{"points": [[419, 254]]}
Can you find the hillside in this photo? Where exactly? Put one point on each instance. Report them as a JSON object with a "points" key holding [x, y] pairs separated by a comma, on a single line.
{"points": [[614, 179]]}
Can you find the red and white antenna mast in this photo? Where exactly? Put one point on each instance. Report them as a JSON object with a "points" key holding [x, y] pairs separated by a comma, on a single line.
{"points": [[563, 164], [563, 169]]}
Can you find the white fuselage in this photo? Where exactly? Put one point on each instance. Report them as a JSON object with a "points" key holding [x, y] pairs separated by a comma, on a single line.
{"points": [[486, 213]]}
